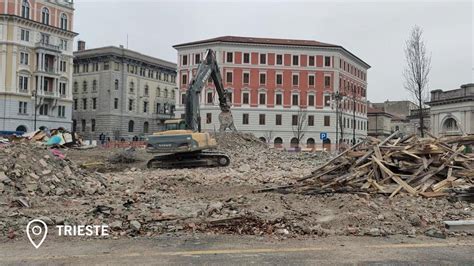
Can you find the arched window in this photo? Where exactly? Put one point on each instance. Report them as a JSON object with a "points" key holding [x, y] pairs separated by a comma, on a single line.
{"points": [[25, 9], [94, 85], [145, 127], [63, 21], [264, 140], [84, 85], [158, 92], [166, 93], [294, 142], [450, 125], [116, 84], [131, 124], [172, 94], [132, 86], [310, 143], [21, 128], [278, 142], [45, 16]]}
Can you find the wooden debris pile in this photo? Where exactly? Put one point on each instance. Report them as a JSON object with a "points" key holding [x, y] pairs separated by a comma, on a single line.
{"points": [[418, 166]]}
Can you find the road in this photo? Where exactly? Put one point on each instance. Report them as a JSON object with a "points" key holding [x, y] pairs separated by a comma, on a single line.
{"points": [[224, 250]]}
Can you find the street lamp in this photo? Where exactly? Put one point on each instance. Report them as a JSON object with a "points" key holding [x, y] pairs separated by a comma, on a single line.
{"points": [[353, 116], [337, 96]]}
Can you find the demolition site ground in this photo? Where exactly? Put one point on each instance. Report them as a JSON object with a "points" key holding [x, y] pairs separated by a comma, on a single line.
{"points": [[263, 193]]}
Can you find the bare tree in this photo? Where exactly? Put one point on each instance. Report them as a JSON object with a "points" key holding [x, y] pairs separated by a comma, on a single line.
{"points": [[300, 125], [416, 71]]}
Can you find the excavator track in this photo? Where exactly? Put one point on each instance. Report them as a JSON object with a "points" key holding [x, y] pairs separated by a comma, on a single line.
{"points": [[189, 160]]}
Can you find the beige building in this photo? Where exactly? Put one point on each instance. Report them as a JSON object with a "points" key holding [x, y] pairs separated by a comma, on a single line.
{"points": [[452, 112], [121, 93], [35, 64], [379, 122]]}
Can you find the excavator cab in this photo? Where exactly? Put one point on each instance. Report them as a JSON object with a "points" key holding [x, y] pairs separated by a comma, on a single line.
{"points": [[175, 124]]}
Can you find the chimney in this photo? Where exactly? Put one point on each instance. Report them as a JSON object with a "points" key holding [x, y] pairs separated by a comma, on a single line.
{"points": [[81, 45]]}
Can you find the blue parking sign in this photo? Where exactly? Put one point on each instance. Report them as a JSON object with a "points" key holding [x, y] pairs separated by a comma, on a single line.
{"points": [[323, 135]]}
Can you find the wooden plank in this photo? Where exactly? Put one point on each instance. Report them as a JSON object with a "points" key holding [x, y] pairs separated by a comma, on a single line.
{"points": [[395, 192], [369, 153], [395, 178]]}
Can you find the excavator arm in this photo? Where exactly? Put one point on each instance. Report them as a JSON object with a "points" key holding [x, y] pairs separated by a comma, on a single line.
{"points": [[207, 69]]}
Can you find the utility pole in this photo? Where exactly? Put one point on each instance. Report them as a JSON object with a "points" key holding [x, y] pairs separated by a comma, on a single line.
{"points": [[353, 116], [35, 95], [337, 97]]}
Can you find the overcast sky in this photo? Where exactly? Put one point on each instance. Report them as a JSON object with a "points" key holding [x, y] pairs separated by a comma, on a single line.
{"points": [[375, 32]]}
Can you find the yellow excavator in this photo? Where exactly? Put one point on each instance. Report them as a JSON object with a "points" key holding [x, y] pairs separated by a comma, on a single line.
{"points": [[182, 144]]}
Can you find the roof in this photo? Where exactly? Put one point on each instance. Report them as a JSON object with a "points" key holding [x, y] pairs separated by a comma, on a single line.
{"points": [[119, 51], [377, 111], [268, 41]]}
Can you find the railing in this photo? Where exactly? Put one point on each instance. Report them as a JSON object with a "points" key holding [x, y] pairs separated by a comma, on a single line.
{"points": [[446, 95], [47, 46]]}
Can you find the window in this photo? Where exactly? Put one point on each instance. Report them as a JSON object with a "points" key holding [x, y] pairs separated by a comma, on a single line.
{"points": [[25, 35], [25, 9], [311, 60], [130, 104], [145, 107], [106, 66], [295, 80], [132, 86], [327, 61], [184, 79], [246, 78], [22, 107], [75, 104], [294, 100], [278, 120], [146, 90], [296, 60], [63, 21], [145, 127], [294, 120], [116, 84], [92, 125], [261, 119], [84, 86], [327, 81], [62, 88], [45, 39], [183, 98], [210, 98], [83, 125], [62, 66], [61, 111], [310, 120], [229, 57], [246, 58], [158, 108], [197, 59], [263, 59], [94, 103], [185, 60], [24, 58], [262, 98], [228, 77], [84, 104], [131, 125], [263, 78], [311, 80], [43, 110], [245, 119], [245, 98], [23, 83], [310, 100], [45, 16], [94, 85], [279, 79], [166, 93], [327, 121], [279, 99], [208, 118], [279, 59], [327, 100]]}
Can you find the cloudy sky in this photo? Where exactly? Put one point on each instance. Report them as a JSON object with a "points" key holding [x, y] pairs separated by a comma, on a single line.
{"points": [[375, 32]]}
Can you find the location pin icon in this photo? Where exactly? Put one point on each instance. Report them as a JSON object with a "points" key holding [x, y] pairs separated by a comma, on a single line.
{"points": [[37, 227]]}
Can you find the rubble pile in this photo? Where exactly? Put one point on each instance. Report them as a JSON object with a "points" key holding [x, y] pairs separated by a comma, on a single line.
{"points": [[418, 166], [28, 170]]}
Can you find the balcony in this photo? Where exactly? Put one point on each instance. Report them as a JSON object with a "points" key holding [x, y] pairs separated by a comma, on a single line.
{"points": [[48, 46]]}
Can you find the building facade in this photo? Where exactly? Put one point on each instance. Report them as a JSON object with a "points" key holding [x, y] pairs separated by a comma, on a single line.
{"points": [[121, 93], [452, 112], [275, 82], [379, 122], [36, 58]]}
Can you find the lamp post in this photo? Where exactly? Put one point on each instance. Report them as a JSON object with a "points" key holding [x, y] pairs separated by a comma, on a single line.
{"points": [[353, 116], [337, 97]]}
